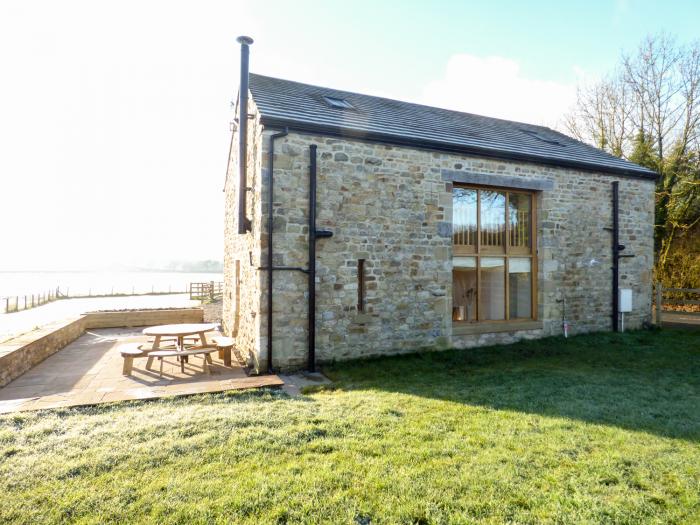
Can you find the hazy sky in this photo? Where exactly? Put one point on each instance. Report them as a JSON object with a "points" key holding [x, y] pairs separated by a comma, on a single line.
{"points": [[114, 116]]}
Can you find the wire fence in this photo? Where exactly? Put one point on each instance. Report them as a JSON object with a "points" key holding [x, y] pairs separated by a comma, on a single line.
{"points": [[24, 302], [17, 303]]}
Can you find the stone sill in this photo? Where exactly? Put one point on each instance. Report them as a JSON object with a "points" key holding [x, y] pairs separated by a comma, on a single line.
{"points": [[490, 328]]}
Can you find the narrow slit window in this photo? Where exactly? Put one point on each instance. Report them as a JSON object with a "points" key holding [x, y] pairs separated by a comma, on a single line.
{"points": [[237, 298], [360, 285]]}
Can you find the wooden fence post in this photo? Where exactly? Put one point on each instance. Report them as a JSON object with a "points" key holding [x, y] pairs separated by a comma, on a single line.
{"points": [[659, 303]]}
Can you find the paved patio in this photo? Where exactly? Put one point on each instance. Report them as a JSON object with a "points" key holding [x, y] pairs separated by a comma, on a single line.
{"points": [[89, 371]]}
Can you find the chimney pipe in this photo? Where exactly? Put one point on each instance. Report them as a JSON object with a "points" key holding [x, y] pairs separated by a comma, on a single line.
{"points": [[243, 221]]}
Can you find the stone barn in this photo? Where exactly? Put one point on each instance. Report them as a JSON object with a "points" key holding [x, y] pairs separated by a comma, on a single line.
{"points": [[361, 226]]}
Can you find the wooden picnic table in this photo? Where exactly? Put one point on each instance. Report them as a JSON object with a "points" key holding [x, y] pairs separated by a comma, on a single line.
{"points": [[180, 332]]}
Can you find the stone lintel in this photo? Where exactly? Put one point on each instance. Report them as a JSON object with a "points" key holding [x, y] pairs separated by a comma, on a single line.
{"points": [[491, 179]]}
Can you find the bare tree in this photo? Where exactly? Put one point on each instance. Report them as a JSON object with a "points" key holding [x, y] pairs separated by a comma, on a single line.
{"points": [[649, 111], [603, 115], [689, 70], [653, 76]]}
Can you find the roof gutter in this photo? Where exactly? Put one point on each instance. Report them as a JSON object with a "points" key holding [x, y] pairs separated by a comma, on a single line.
{"points": [[337, 131]]}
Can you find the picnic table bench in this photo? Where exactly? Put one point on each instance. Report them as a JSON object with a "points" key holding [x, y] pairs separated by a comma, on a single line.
{"points": [[181, 341], [204, 352], [224, 345]]}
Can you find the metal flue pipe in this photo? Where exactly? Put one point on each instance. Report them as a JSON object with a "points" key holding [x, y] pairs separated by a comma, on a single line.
{"points": [[243, 221]]}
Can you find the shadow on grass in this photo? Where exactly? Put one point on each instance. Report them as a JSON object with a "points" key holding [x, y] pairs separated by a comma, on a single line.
{"points": [[226, 397], [645, 380]]}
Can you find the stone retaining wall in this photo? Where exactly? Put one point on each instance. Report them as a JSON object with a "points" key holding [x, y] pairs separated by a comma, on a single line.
{"points": [[131, 318], [22, 353]]}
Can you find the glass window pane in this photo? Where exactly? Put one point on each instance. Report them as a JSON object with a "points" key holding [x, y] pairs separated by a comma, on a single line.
{"points": [[464, 289], [520, 287], [493, 289], [464, 217], [493, 218], [519, 215]]}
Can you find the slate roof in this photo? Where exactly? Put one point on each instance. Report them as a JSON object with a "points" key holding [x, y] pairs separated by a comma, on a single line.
{"points": [[302, 107]]}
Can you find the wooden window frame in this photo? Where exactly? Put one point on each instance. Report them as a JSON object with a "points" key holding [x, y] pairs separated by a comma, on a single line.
{"points": [[507, 253]]}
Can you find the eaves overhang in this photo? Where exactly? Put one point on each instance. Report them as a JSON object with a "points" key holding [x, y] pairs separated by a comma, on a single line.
{"points": [[448, 147]]}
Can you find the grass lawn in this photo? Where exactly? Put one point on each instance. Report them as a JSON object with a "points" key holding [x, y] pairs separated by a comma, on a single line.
{"points": [[595, 429]]}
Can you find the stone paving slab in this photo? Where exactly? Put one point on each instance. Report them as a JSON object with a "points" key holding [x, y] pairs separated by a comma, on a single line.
{"points": [[294, 384], [89, 371]]}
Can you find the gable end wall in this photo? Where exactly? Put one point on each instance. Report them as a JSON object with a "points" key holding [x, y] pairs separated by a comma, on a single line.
{"points": [[242, 302]]}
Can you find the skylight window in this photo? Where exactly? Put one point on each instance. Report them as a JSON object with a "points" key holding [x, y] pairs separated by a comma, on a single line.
{"points": [[540, 136], [338, 103]]}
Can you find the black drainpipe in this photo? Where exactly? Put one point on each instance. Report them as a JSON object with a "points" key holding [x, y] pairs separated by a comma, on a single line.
{"points": [[243, 221], [270, 223], [615, 255], [314, 235]]}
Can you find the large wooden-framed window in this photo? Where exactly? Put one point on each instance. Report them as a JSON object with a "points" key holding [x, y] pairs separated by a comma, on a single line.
{"points": [[494, 263]]}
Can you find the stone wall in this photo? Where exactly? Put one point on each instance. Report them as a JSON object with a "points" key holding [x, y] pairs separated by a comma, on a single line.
{"points": [[151, 317], [21, 353], [574, 226], [392, 206], [382, 207], [242, 253], [213, 311]]}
